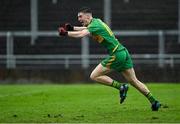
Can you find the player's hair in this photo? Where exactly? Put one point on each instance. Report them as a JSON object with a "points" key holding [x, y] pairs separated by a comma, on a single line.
{"points": [[85, 10]]}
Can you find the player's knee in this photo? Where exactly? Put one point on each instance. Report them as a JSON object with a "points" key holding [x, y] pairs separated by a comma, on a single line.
{"points": [[93, 77]]}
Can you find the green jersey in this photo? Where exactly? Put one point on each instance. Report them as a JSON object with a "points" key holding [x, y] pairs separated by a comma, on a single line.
{"points": [[102, 33]]}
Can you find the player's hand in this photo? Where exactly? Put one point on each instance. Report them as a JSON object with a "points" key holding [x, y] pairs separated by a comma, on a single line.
{"points": [[68, 27], [62, 31]]}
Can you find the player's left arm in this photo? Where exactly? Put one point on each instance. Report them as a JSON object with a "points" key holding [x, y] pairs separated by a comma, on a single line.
{"points": [[78, 28], [78, 34]]}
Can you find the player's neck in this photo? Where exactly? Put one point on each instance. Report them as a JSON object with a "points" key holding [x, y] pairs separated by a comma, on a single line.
{"points": [[90, 20]]}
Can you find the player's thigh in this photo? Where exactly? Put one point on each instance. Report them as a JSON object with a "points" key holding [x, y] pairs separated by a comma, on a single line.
{"points": [[129, 75], [99, 70], [122, 61]]}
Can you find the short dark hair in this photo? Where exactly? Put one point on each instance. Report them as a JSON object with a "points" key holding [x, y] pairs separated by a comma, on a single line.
{"points": [[85, 10]]}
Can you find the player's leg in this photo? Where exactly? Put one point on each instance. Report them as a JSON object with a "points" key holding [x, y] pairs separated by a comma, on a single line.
{"points": [[130, 76], [99, 75]]}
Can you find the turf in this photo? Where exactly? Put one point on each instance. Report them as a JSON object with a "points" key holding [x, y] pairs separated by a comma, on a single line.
{"points": [[85, 103]]}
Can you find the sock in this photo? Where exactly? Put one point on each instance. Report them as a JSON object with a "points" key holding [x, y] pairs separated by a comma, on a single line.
{"points": [[116, 84], [150, 98]]}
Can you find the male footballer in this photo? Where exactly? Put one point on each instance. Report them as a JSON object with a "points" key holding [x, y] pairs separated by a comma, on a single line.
{"points": [[118, 58]]}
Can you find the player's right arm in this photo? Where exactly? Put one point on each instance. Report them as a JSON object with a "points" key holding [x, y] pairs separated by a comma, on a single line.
{"points": [[70, 27], [76, 34]]}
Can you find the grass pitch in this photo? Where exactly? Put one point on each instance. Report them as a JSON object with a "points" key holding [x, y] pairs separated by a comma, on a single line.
{"points": [[85, 103]]}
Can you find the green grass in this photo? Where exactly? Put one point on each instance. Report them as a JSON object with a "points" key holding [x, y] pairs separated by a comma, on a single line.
{"points": [[85, 103]]}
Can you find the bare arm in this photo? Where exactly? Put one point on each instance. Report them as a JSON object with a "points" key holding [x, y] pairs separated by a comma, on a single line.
{"points": [[78, 34], [77, 28]]}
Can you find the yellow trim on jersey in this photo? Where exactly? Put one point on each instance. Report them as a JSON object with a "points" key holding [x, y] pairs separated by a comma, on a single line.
{"points": [[115, 48], [107, 28], [110, 61]]}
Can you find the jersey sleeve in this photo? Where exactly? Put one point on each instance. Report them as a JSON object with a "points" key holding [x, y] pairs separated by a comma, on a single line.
{"points": [[93, 29]]}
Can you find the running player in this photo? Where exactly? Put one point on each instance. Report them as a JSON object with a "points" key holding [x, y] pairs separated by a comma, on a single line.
{"points": [[118, 59]]}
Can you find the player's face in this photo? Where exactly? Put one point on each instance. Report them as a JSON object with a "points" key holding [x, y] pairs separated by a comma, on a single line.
{"points": [[83, 18]]}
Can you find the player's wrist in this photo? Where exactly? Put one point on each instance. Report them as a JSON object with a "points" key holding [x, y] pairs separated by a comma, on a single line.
{"points": [[69, 27], [62, 31]]}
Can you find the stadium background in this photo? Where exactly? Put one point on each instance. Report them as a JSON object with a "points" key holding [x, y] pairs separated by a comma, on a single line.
{"points": [[31, 50]]}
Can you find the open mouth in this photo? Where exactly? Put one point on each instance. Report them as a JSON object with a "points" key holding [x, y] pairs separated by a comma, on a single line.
{"points": [[82, 22]]}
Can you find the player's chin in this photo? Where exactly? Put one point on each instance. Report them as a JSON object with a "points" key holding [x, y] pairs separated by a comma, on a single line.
{"points": [[84, 24]]}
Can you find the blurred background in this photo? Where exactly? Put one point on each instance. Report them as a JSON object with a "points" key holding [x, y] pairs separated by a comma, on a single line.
{"points": [[32, 52]]}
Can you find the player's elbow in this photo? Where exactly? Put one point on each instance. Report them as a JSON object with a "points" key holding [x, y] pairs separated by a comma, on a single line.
{"points": [[81, 35]]}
